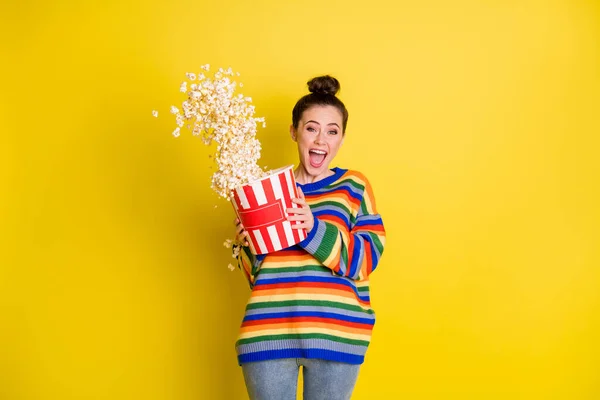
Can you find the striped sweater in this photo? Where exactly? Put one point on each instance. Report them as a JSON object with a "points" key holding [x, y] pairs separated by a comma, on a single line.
{"points": [[312, 300]]}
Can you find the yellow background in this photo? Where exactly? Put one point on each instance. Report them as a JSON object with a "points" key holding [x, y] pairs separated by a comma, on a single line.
{"points": [[476, 122]]}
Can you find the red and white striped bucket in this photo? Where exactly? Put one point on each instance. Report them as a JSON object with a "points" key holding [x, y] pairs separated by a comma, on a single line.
{"points": [[261, 207]]}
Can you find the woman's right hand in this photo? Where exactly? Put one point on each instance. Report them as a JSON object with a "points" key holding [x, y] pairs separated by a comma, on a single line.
{"points": [[241, 235]]}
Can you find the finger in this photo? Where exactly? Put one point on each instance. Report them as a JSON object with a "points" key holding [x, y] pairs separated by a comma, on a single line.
{"points": [[241, 235], [299, 201], [302, 207], [243, 240], [300, 226], [297, 211], [300, 193], [297, 218]]}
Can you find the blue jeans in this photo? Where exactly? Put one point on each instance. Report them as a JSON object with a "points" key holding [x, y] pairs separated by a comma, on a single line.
{"points": [[278, 379]]}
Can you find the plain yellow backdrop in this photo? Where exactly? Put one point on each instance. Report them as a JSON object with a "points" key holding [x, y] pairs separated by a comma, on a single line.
{"points": [[477, 123]]}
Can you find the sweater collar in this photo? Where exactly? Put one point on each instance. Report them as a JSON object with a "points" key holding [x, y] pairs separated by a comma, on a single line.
{"points": [[309, 187]]}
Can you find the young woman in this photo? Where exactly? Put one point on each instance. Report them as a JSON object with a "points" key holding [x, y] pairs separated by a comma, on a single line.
{"points": [[310, 303]]}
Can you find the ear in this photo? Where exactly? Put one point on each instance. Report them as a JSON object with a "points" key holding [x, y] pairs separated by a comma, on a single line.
{"points": [[293, 133]]}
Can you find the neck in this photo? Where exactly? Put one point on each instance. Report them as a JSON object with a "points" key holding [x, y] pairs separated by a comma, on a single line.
{"points": [[303, 176]]}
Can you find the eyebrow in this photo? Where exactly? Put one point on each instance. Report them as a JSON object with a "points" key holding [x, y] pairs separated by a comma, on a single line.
{"points": [[333, 123]]}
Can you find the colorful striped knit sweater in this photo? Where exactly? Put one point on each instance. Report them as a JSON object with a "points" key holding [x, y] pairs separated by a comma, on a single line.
{"points": [[312, 300]]}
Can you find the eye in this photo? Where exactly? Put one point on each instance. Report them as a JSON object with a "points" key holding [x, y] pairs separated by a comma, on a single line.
{"points": [[333, 132], [311, 129]]}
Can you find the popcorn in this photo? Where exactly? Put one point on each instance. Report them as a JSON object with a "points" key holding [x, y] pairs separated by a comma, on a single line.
{"points": [[155, 113], [215, 113], [236, 251]]}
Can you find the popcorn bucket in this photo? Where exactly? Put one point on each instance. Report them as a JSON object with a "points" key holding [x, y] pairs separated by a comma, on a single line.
{"points": [[261, 207]]}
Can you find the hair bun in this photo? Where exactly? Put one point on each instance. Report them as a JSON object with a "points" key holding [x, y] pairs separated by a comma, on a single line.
{"points": [[324, 85]]}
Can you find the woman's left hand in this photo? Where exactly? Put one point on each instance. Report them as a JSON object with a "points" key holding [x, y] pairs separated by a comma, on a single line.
{"points": [[302, 214]]}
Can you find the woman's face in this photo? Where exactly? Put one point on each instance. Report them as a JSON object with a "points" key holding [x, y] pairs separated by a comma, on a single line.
{"points": [[319, 137]]}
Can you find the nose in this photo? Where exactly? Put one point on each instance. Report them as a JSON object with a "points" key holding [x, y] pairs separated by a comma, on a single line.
{"points": [[320, 138]]}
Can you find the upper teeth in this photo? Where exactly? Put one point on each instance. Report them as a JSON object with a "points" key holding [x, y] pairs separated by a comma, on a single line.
{"points": [[319, 151]]}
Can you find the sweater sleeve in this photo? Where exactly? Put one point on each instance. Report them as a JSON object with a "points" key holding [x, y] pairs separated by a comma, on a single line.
{"points": [[352, 253], [249, 263]]}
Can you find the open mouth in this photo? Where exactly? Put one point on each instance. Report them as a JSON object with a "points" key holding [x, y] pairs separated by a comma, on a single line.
{"points": [[317, 157]]}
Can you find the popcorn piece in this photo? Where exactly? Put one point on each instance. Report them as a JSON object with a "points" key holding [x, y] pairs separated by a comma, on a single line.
{"points": [[155, 113]]}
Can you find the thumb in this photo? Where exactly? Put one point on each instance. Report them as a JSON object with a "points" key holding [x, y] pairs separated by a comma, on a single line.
{"points": [[300, 193]]}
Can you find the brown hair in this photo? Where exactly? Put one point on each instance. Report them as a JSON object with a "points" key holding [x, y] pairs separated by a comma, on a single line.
{"points": [[322, 93]]}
